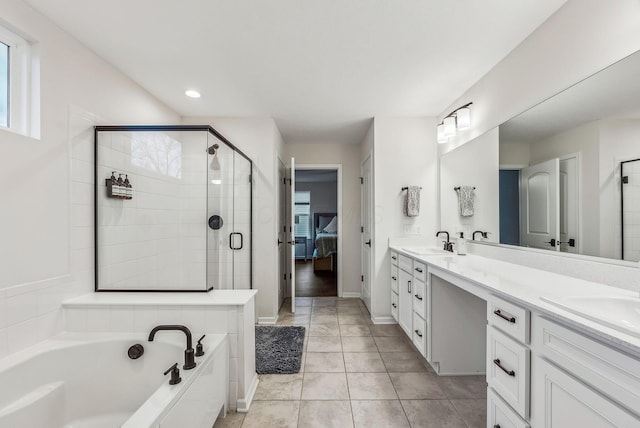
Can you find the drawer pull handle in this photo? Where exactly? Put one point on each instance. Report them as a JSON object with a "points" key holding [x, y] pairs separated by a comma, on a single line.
{"points": [[496, 426], [419, 270], [409, 287], [504, 317], [394, 305], [509, 372], [418, 333], [394, 278], [418, 297], [393, 257]]}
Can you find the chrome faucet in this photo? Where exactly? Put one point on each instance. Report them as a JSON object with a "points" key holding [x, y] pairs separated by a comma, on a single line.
{"points": [[189, 358], [447, 245], [483, 234]]}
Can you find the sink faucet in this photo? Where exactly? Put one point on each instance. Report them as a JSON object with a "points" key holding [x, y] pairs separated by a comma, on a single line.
{"points": [[448, 246], [189, 359], [483, 234]]}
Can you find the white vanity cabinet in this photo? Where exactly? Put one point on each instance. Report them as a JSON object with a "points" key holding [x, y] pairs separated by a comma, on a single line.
{"points": [[405, 296], [579, 381], [394, 285], [409, 298]]}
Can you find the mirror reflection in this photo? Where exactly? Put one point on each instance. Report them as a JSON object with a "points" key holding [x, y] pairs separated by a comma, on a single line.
{"points": [[570, 170]]}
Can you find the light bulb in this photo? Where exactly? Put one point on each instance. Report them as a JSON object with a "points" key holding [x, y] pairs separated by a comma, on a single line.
{"points": [[191, 93], [463, 118], [449, 126]]}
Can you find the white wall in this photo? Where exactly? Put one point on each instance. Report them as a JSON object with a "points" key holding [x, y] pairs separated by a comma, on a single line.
{"points": [[259, 139], [405, 153], [473, 164], [582, 38], [347, 155], [47, 216]]}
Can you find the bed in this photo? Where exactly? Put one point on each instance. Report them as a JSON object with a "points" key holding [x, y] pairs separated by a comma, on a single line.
{"points": [[325, 243]]}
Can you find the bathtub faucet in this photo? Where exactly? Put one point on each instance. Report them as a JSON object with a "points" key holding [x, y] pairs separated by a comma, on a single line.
{"points": [[189, 359]]}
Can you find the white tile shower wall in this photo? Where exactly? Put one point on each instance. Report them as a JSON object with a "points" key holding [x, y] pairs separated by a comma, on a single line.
{"points": [[157, 239], [141, 319]]}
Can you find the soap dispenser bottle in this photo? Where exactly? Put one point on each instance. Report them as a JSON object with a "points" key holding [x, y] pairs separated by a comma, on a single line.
{"points": [[128, 187], [122, 191], [461, 245], [112, 186]]}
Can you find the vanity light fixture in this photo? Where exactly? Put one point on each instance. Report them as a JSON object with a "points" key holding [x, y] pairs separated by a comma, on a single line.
{"points": [[192, 93], [459, 119]]}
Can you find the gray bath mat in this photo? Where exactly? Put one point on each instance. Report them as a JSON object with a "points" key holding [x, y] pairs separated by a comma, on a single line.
{"points": [[279, 349]]}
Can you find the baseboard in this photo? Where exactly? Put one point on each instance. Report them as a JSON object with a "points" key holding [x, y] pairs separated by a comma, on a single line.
{"points": [[351, 295], [268, 320], [245, 403], [383, 320]]}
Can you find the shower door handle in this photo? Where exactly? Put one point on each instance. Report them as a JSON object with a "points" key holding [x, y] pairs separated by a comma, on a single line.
{"points": [[231, 241]]}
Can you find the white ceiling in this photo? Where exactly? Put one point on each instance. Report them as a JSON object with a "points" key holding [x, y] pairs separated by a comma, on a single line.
{"points": [[612, 93], [322, 69]]}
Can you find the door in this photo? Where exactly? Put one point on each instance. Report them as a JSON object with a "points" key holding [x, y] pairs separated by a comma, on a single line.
{"points": [[569, 205], [539, 205], [405, 301], [240, 237], [563, 401], [282, 231], [366, 241], [291, 240]]}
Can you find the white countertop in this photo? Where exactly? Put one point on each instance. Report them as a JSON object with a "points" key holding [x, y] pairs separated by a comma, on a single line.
{"points": [[526, 285], [212, 298]]}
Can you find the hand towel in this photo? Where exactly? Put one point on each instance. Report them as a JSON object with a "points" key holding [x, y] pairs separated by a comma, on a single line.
{"points": [[412, 201], [465, 200]]}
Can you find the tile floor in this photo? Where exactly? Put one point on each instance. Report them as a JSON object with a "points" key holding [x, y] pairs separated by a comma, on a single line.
{"points": [[356, 374]]}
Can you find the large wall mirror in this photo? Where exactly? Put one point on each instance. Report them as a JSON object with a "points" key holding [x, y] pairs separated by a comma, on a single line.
{"points": [[568, 170]]}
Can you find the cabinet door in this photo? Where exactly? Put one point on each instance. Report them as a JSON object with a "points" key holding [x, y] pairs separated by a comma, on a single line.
{"points": [[562, 401], [405, 301]]}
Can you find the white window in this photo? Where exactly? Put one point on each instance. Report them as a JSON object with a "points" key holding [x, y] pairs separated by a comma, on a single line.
{"points": [[302, 213], [16, 82]]}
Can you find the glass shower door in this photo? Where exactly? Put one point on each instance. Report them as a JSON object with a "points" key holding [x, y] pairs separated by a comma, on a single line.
{"points": [[220, 215], [630, 182], [241, 238]]}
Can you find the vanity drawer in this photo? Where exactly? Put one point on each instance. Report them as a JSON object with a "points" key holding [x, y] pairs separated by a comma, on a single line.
{"points": [[420, 271], [394, 258], [394, 279], [509, 317], [405, 263], [419, 335], [394, 306], [420, 298], [508, 370], [499, 414], [596, 364]]}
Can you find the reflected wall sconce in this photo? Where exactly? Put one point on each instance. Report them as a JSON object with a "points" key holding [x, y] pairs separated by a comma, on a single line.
{"points": [[457, 120]]}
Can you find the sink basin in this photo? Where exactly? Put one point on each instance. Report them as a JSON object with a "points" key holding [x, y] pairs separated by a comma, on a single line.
{"points": [[427, 251], [619, 313]]}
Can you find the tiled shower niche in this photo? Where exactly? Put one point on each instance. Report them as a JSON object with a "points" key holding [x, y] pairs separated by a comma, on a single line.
{"points": [[187, 226]]}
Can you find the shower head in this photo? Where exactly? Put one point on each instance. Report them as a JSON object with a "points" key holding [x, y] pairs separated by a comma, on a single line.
{"points": [[212, 149]]}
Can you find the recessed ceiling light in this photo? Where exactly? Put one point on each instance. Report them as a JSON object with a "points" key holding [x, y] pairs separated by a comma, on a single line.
{"points": [[192, 93]]}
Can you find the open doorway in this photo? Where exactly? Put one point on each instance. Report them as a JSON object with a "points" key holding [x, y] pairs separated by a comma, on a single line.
{"points": [[316, 232]]}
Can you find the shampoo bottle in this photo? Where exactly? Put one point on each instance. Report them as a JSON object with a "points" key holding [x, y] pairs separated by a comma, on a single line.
{"points": [[461, 245]]}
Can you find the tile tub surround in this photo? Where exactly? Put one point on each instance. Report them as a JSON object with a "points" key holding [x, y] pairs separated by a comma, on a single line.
{"points": [[526, 285], [219, 311], [364, 387]]}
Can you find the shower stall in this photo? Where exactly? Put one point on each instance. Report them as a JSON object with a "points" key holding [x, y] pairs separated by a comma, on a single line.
{"points": [[173, 210], [630, 209]]}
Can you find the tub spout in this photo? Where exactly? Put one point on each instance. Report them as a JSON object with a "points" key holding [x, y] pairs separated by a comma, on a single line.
{"points": [[189, 358]]}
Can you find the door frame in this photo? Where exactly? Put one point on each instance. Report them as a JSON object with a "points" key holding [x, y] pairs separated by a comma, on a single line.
{"points": [[367, 275], [337, 167]]}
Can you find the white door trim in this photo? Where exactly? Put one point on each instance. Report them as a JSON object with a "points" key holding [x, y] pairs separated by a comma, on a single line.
{"points": [[337, 167]]}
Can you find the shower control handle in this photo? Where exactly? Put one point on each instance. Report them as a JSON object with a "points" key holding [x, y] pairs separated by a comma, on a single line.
{"points": [[175, 374]]}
